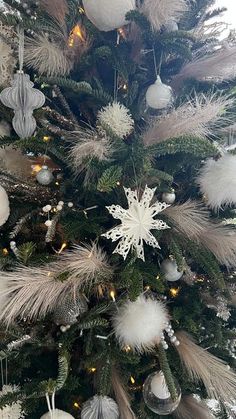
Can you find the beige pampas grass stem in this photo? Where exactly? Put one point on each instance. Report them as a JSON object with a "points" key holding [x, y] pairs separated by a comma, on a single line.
{"points": [[221, 241], [122, 397], [191, 407], [160, 12], [198, 117], [57, 9], [202, 366]]}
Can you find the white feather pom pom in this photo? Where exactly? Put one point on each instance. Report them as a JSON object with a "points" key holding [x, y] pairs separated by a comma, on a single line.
{"points": [[13, 411], [139, 324], [116, 117], [100, 407], [217, 181], [57, 414], [4, 206]]}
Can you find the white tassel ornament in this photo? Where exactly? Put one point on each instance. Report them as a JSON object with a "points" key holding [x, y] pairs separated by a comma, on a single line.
{"points": [[139, 324], [107, 15], [217, 181], [159, 95], [100, 407], [4, 206]]}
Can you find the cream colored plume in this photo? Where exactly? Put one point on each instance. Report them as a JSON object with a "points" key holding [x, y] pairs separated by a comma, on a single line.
{"points": [[88, 144], [160, 12], [202, 366], [191, 407], [198, 117], [49, 57], [14, 162], [121, 396], [57, 9], [32, 292], [190, 219], [221, 241], [217, 67]]}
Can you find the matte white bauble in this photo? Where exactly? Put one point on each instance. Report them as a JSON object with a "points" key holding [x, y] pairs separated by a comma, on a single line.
{"points": [[107, 15], [57, 414], [171, 26], [4, 206], [159, 95], [170, 270], [168, 197], [44, 176]]}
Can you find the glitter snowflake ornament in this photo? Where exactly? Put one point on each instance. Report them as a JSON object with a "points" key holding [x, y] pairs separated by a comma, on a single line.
{"points": [[116, 117], [13, 411], [136, 223]]}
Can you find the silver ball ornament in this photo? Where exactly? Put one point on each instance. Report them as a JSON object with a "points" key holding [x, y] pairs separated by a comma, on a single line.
{"points": [[159, 95], [169, 197], [44, 176], [70, 309], [157, 396], [170, 270]]}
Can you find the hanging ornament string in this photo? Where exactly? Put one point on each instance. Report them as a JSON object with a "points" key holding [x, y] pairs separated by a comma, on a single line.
{"points": [[21, 48], [157, 70], [51, 407], [116, 87]]}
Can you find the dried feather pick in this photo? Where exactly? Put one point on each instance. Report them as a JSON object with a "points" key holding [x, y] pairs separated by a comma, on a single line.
{"points": [[160, 12], [219, 381], [57, 9], [190, 219], [219, 66], [198, 117], [221, 241], [14, 162], [50, 57], [90, 144], [191, 407], [122, 397], [32, 292]]}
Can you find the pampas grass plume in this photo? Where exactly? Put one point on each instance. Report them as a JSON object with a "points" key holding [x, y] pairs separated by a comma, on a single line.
{"points": [[160, 12], [217, 181], [191, 407], [140, 323]]}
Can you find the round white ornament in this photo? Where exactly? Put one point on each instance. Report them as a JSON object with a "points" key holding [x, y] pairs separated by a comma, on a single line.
{"points": [[107, 15], [168, 197], [171, 26], [4, 206], [170, 270], [44, 176], [57, 414], [159, 95]]}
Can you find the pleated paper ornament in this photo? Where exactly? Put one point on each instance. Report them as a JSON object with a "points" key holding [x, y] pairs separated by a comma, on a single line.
{"points": [[100, 407], [107, 15], [22, 98]]}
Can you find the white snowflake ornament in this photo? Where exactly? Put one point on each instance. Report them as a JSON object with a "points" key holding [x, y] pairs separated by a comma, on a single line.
{"points": [[136, 223], [116, 117], [13, 411]]}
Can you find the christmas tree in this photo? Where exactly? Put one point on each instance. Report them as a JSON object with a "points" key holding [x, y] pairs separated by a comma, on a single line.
{"points": [[117, 210]]}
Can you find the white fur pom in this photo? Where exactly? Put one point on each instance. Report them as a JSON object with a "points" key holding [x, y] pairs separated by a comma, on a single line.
{"points": [[217, 181], [139, 324], [14, 410], [117, 118], [4, 206]]}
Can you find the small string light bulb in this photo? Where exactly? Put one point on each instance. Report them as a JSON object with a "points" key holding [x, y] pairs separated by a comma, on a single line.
{"points": [[132, 380], [112, 295]]}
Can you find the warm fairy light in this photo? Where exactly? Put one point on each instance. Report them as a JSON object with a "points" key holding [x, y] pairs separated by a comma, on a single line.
{"points": [[132, 380], [118, 183], [63, 246], [121, 32], [36, 168], [46, 138], [127, 348], [174, 292], [125, 87], [5, 252], [93, 370], [76, 405], [76, 32], [49, 273], [158, 276], [57, 183], [147, 288], [112, 295], [81, 10]]}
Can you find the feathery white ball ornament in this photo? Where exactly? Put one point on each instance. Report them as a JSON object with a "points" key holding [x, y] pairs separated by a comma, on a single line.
{"points": [[44, 176], [57, 414], [13, 411], [159, 95], [100, 407], [217, 181], [168, 197], [139, 324], [107, 15], [170, 270], [116, 117], [4, 206]]}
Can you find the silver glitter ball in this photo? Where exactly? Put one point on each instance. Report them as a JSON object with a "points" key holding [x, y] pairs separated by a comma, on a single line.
{"points": [[44, 176], [70, 309]]}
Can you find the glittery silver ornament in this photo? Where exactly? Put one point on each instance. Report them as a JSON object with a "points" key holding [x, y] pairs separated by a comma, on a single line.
{"points": [[23, 99], [157, 396], [44, 176], [168, 197], [70, 308]]}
